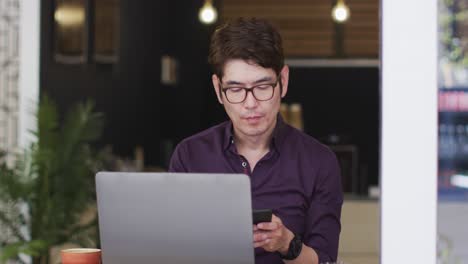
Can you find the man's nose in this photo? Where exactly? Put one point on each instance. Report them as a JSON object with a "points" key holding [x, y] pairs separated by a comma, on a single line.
{"points": [[250, 101]]}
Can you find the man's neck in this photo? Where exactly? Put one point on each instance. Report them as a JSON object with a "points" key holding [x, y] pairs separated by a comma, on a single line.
{"points": [[260, 143]]}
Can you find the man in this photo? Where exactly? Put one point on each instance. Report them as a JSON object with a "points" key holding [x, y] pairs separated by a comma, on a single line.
{"points": [[291, 173]]}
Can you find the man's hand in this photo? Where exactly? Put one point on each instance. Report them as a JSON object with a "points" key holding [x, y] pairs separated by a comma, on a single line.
{"points": [[272, 236]]}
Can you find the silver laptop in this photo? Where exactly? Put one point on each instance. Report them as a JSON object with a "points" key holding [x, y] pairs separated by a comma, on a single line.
{"points": [[174, 218]]}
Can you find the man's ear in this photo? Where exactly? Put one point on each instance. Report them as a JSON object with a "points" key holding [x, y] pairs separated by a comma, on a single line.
{"points": [[284, 80], [216, 81]]}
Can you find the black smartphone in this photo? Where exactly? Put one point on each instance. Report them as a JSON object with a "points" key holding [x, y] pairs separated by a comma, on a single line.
{"points": [[262, 215]]}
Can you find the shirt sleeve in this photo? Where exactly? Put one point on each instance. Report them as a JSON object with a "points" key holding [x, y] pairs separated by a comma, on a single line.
{"points": [[176, 163], [323, 224]]}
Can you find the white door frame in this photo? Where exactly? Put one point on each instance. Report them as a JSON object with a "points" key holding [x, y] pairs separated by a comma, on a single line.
{"points": [[408, 131], [29, 54]]}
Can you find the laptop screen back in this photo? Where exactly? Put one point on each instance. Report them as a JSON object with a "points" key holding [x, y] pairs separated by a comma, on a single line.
{"points": [[174, 218]]}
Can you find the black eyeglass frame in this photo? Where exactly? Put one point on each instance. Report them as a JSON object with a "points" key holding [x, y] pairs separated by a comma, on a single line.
{"points": [[251, 89]]}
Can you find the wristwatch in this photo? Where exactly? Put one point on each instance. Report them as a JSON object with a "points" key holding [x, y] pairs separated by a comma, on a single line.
{"points": [[295, 247]]}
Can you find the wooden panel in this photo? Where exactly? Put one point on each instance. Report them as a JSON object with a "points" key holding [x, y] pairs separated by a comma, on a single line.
{"points": [[361, 32], [307, 28], [305, 25], [106, 30]]}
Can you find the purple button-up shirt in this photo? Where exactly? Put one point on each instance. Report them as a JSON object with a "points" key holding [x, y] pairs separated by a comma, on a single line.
{"points": [[299, 178]]}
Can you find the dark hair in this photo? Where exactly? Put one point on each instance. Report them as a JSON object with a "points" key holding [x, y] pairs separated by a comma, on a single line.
{"points": [[249, 39]]}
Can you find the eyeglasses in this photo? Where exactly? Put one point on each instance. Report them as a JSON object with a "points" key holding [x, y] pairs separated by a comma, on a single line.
{"points": [[261, 92]]}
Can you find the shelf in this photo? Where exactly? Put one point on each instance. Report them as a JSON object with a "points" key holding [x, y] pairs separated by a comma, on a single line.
{"points": [[333, 63], [457, 163], [456, 157], [453, 113], [454, 89], [452, 194], [460, 117]]}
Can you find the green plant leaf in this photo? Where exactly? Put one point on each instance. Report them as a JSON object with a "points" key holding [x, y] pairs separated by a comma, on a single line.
{"points": [[54, 177], [31, 248]]}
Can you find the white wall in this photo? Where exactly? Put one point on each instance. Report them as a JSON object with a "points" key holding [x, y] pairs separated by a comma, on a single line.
{"points": [[29, 68], [29, 53], [409, 131], [9, 69]]}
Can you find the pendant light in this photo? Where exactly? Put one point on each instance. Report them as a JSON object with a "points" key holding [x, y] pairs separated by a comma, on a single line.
{"points": [[208, 13], [340, 12]]}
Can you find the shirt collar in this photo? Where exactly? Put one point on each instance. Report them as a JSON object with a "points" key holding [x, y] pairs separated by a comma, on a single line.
{"points": [[277, 139], [228, 135], [279, 133]]}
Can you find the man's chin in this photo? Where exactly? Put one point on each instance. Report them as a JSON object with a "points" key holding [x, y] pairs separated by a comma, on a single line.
{"points": [[253, 132]]}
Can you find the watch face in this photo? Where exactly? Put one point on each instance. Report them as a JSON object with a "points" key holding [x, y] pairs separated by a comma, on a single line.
{"points": [[295, 248]]}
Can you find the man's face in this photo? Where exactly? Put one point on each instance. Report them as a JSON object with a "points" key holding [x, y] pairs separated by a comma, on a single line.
{"points": [[251, 117]]}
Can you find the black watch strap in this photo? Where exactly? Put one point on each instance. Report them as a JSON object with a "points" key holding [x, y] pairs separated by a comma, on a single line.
{"points": [[295, 248]]}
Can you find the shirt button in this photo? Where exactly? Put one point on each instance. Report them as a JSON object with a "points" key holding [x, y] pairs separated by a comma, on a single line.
{"points": [[244, 164]]}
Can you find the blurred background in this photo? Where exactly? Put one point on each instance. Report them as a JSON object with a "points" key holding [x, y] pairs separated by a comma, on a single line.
{"points": [[144, 63], [122, 82]]}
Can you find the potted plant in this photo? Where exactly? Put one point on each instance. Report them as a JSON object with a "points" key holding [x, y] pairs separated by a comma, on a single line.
{"points": [[44, 195]]}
